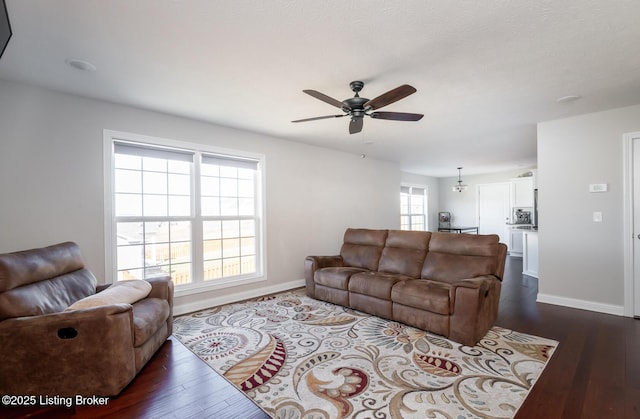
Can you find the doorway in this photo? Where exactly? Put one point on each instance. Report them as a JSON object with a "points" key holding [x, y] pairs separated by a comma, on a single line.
{"points": [[631, 226], [493, 210]]}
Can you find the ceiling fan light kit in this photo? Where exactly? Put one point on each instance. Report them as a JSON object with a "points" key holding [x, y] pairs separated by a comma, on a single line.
{"points": [[358, 107], [459, 186]]}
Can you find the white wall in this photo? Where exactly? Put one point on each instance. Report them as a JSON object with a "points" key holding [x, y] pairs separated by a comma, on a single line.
{"points": [[463, 205], [580, 259], [431, 183], [51, 180]]}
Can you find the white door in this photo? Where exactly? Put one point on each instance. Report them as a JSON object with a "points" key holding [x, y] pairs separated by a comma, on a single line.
{"points": [[636, 226], [493, 210]]}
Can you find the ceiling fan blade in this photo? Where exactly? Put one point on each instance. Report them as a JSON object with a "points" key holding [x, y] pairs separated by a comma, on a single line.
{"points": [[325, 98], [355, 125], [319, 117], [391, 96], [397, 116]]}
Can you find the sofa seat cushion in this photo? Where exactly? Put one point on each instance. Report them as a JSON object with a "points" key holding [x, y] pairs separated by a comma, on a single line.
{"points": [[375, 284], [335, 277], [148, 316], [121, 292], [424, 294]]}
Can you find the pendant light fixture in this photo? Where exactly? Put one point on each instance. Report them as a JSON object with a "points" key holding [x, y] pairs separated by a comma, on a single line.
{"points": [[459, 187]]}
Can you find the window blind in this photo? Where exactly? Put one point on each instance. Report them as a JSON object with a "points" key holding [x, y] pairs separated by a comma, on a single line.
{"points": [[412, 190], [143, 150], [222, 160]]}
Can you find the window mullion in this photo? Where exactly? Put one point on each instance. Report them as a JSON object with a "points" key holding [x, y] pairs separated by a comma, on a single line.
{"points": [[197, 238], [413, 226]]}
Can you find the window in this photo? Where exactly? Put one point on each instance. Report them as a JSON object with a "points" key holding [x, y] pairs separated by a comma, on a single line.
{"points": [[228, 207], [413, 208], [183, 210]]}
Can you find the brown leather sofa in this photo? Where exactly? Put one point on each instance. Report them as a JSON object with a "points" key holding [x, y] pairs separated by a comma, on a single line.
{"points": [[45, 350], [448, 284]]}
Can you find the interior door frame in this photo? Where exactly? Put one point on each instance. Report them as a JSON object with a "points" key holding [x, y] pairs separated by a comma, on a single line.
{"points": [[627, 226]]}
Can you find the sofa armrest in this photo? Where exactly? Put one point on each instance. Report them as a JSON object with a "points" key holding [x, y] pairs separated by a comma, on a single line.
{"points": [[475, 308], [68, 353], [480, 282], [320, 262], [312, 264]]}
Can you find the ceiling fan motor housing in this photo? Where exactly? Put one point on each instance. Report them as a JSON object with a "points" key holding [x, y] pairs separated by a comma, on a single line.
{"points": [[355, 105]]}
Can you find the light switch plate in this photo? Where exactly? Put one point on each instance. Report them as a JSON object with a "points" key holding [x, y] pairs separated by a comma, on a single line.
{"points": [[597, 217]]}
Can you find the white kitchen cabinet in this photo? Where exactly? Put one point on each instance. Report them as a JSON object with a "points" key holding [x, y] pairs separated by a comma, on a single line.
{"points": [[530, 253], [522, 192], [516, 243]]}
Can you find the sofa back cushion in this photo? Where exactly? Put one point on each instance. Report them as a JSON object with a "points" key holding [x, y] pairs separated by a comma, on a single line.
{"points": [[43, 281], [29, 266], [404, 252], [460, 256], [362, 248]]}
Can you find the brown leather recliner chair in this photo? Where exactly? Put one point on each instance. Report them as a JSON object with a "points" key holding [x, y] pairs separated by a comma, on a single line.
{"points": [[97, 351]]}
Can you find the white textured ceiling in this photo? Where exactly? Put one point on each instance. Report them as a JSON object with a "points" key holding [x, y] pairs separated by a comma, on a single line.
{"points": [[486, 71]]}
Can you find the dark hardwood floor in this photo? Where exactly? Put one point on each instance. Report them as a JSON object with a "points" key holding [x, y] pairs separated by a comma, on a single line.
{"points": [[594, 373]]}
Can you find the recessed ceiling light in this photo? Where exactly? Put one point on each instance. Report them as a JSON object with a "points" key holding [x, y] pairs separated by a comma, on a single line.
{"points": [[569, 98], [80, 64]]}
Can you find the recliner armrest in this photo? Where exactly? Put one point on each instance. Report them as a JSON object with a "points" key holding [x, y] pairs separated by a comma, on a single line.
{"points": [[312, 264], [88, 351], [161, 287]]}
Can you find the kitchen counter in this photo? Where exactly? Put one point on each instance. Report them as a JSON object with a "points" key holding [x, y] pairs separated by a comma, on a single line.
{"points": [[458, 229], [530, 252], [515, 238], [521, 227]]}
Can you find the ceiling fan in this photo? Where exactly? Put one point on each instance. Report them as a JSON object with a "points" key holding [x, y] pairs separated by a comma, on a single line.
{"points": [[358, 107]]}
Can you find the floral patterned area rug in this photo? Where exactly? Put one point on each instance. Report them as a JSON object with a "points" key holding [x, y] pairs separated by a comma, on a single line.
{"points": [[302, 358]]}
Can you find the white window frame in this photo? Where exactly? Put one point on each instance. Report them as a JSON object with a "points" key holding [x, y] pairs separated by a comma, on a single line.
{"points": [[425, 208], [198, 285]]}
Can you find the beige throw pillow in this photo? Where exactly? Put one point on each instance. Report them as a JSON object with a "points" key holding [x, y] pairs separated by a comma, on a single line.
{"points": [[127, 292]]}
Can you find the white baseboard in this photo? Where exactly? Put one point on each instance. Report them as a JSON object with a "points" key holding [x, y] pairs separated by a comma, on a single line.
{"points": [[581, 304], [179, 309]]}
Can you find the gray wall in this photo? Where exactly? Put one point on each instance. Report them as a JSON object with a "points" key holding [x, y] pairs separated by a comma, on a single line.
{"points": [[581, 259], [51, 171]]}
